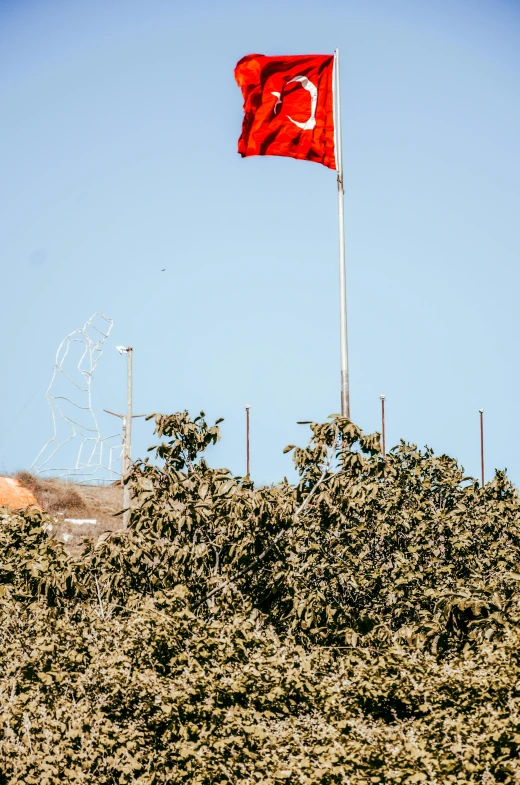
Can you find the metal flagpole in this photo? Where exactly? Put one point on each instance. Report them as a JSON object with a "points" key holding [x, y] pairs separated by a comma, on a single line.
{"points": [[383, 432], [248, 465], [481, 412], [345, 392]]}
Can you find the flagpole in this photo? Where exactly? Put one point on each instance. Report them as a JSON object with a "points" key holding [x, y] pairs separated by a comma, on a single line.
{"points": [[481, 411], [345, 391]]}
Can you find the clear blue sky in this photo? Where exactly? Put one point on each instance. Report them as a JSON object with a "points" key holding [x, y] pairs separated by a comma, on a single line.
{"points": [[118, 158]]}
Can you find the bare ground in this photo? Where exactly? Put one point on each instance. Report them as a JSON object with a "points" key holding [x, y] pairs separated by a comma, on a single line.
{"points": [[62, 500]]}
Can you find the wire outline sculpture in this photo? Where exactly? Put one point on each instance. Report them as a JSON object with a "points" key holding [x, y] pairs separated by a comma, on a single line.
{"points": [[93, 447]]}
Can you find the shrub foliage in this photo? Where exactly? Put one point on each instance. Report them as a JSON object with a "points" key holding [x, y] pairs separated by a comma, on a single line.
{"points": [[358, 626]]}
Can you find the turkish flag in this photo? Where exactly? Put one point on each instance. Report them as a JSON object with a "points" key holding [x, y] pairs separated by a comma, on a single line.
{"points": [[288, 107]]}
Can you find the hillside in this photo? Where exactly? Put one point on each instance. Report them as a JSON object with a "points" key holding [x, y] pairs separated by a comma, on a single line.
{"points": [[14, 496], [361, 626], [63, 500]]}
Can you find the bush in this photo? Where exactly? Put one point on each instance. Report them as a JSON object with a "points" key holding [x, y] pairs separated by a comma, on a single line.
{"points": [[360, 626]]}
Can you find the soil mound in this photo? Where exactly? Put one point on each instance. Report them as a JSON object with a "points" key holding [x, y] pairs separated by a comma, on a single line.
{"points": [[15, 496]]}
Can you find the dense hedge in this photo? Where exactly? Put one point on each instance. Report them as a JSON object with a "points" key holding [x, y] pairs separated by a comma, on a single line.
{"points": [[361, 626]]}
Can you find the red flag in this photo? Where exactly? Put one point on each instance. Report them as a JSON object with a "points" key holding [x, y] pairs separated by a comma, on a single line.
{"points": [[288, 106]]}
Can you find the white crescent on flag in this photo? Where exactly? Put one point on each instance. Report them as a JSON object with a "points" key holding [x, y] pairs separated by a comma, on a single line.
{"points": [[306, 83]]}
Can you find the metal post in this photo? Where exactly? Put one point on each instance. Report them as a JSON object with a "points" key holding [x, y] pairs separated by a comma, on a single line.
{"points": [[383, 436], [126, 455], [345, 392], [127, 445], [248, 466], [482, 444]]}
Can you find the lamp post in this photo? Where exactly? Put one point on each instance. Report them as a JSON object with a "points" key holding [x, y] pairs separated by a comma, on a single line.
{"points": [[126, 456]]}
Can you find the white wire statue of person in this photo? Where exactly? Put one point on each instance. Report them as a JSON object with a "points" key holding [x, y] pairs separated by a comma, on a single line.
{"points": [[76, 441]]}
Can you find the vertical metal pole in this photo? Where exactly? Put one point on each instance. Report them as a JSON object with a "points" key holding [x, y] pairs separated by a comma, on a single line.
{"points": [[345, 391], [248, 465], [383, 435], [123, 456], [127, 447], [482, 444]]}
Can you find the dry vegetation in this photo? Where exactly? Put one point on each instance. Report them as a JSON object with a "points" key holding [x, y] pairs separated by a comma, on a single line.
{"points": [[358, 627], [62, 500]]}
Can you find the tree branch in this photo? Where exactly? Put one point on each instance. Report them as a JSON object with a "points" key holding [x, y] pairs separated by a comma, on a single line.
{"points": [[270, 547], [99, 597]]}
